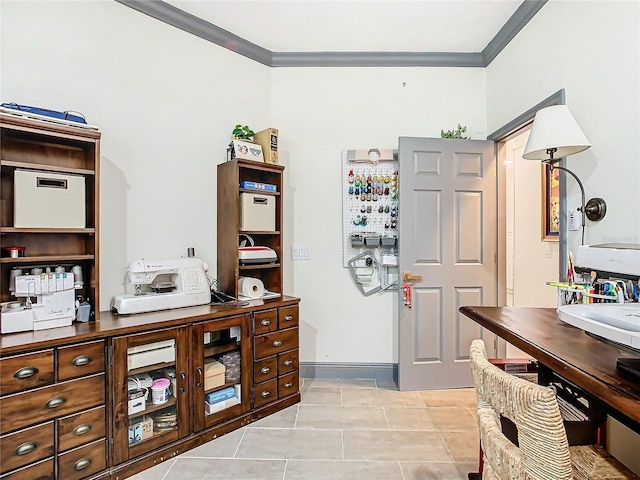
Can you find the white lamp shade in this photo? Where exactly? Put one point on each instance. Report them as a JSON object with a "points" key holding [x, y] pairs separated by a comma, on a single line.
{"points": [[554, 127]]}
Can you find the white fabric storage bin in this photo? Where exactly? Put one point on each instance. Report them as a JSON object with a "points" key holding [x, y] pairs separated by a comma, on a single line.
{"points": [[257, 212], [48, 200]]}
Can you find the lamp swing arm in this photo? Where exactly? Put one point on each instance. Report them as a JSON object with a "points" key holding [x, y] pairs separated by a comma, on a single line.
{"points": [[552, 166]]}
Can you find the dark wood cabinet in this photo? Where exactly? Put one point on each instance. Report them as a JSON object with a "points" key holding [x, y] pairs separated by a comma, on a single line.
{"points": [[57, 150], [48, 411], [65, 392], [225, 342], [275, 353], [156, 420]]}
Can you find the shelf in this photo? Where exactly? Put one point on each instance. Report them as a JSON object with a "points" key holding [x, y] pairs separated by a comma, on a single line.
{"points": [[154, 408], [261, 192], [155, 435], [222, 387], [259, 267], [257, 232], [46, 258], [218, 349], [45, 168], [253, 165], [87, 231], [149, 368]]}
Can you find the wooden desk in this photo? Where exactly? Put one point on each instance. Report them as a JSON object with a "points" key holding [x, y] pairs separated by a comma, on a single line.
{"points": [[585, 361]]}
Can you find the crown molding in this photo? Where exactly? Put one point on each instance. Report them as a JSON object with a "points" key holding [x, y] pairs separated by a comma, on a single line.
{"points": [[376, 59], [187, 22], [201, 28], [525, 12]]}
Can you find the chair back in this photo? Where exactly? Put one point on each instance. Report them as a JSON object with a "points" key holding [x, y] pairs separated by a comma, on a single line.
{"points": [[543, 452]]}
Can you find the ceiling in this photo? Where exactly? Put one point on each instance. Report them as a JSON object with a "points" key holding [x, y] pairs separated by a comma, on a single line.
{"points": [[350, 33]]}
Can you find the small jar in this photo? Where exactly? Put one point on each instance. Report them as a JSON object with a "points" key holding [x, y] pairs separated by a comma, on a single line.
{"points": [[160, 391]]}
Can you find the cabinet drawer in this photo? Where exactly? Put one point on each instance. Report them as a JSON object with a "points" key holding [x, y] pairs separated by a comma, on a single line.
{"points": [[266, 369], [265, 321], [265, 392], [39, 471], [287, 362], [26, 446], [81, 428], [80, 360], [27, 408], [287, 384], [288, 317], [276, 342], [82, 461], [26, 371]]}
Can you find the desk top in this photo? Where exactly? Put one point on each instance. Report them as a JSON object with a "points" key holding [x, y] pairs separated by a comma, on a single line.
{"points": [[587, 362]]}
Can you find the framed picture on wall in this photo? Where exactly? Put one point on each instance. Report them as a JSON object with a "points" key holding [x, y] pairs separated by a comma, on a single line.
{"points": [[550, 204]]}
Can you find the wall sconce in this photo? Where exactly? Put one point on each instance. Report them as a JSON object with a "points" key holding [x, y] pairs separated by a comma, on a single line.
{"points": [[556, 134]]}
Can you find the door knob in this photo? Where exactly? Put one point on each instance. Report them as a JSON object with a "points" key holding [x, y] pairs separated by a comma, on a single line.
{"points": [[410, 277]]}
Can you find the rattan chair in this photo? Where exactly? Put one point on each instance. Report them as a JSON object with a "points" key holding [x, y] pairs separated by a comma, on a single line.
{"points": [[543, 452]]}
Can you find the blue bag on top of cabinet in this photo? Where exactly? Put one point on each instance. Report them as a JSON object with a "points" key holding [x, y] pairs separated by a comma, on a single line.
{"points": [[69, 116]]}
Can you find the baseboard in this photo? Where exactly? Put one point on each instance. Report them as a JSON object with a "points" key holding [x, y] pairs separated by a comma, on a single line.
{"points": [[351, 371]]}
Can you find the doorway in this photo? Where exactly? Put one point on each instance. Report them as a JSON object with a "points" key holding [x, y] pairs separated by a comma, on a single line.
{"points": [[528, 260]]}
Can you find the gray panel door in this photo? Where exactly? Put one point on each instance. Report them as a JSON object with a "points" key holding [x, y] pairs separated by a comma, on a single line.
{"points": [[448, 235]]}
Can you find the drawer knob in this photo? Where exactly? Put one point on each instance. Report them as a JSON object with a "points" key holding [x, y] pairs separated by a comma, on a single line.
{"points": [[265, 322], [277, 343], [81, 429], [288, 318], [288, 385], [81, 360], [25, 372], [265, 370], [265, 394], [81, 464], [55, 402], [288, 363], [25, 448]]}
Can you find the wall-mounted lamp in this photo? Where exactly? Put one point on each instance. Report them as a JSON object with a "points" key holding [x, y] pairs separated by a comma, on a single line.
{"points": [[556, 134]]}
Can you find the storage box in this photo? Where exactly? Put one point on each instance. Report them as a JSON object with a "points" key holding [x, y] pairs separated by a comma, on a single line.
{"points": [[257, 212], [213, 374], [137, 401], [151, 354], [268, 140], [247, 151], [221, 405], [48, 200], [140, 429]]}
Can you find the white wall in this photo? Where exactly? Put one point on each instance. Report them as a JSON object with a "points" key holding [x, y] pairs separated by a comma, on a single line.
{"points": [[165, 101], [591, 49], [321, 111]]}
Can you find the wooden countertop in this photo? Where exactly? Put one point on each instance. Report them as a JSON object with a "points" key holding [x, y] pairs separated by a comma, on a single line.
{"points": [[111, 324], [586, 361]]}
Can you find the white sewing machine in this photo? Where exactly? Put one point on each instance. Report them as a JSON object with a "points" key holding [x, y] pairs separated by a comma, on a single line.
{"points": [[55, 303], [164, 284]]}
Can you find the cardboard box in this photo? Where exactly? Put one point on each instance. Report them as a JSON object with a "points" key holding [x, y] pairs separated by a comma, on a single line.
{"points": [[247, 151], [213, 374], [268, 140]]}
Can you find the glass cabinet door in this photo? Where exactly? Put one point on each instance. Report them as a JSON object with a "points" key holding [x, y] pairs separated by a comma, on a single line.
{"points": [[221, 370], [151, 403]]}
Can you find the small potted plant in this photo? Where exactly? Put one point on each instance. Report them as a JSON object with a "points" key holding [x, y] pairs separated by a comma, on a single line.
{"points": [[457, 133], [242, 133], [241, 145]]}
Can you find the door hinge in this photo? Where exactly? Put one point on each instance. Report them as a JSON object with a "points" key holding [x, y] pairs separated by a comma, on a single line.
{"points": [[110, 356]]}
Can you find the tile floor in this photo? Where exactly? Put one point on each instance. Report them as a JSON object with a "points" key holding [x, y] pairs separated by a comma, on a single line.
{"points": [[343, 430]]}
